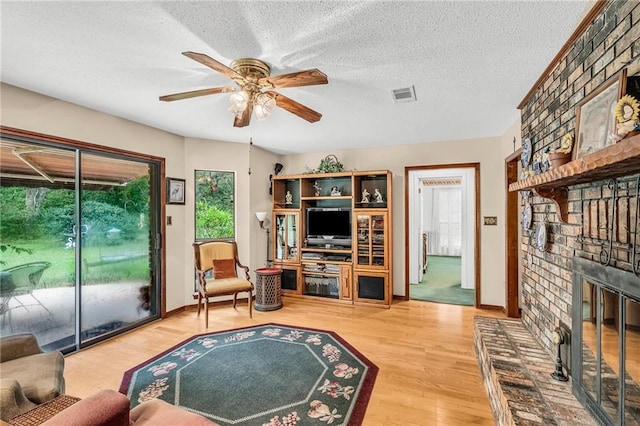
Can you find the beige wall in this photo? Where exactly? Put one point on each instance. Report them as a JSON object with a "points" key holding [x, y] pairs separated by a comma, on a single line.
{"points": [[506, 140], [31, 111], [262, 163], [252, 194], [487, 152]]}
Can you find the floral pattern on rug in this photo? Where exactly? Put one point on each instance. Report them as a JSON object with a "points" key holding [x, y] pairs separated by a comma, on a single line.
{"points": [[330, 401], [153, 390]]}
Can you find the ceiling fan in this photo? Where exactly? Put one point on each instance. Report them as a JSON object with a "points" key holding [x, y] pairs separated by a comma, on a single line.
{"points": [[255, 83]]}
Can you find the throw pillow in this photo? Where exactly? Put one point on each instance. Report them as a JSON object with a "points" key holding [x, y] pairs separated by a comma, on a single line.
{"points": [[224, 268]]}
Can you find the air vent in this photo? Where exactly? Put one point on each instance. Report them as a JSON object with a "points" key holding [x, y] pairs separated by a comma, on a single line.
{"points": [[406, 94]]}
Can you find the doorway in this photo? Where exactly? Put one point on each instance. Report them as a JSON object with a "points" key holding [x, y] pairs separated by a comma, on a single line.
{"points": [[513, 237], [442, 233]]}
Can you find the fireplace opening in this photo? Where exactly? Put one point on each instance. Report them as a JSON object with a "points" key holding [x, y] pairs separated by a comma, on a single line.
{"points": [[605, 351]]}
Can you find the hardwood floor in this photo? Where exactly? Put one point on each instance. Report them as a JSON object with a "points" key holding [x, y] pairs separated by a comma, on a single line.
{"points": [[428, 371]]}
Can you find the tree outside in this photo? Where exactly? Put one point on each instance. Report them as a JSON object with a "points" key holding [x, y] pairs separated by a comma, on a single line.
{"points": [[215, 204], [39, 224]]}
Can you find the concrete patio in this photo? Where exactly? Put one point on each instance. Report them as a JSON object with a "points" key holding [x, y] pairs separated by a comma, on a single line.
{"points": [[53, 319]]}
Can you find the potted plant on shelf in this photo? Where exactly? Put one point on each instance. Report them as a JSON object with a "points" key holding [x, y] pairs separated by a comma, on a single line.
{"points": [[330, 164], [561, 155]]}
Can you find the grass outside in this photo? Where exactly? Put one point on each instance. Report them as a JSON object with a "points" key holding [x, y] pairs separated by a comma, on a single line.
{"points": [[128, 260]]}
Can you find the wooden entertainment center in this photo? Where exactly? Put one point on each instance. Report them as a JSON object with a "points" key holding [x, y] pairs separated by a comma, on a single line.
{"points": [[310, 242]]}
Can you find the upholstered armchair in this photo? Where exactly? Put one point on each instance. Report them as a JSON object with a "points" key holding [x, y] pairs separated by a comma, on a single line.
{"points": [[29, 375], [217, 266]]}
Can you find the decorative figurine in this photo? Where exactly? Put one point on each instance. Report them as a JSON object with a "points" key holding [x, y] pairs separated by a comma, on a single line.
{"points": [[335, 192], [318, 188], [365, 196], [537, 163], [546, 164], [377, 196], [288, 198], [525, 174]]}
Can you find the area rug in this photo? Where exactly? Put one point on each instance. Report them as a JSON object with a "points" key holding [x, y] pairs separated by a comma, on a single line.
{"points": [[271, 374]]}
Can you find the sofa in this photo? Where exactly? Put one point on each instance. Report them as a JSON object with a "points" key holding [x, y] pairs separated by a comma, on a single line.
{"points": [[111, 408], [29, 376]]}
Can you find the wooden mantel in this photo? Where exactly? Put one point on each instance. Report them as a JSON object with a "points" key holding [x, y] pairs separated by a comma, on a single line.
{"points": [[620, 159]]}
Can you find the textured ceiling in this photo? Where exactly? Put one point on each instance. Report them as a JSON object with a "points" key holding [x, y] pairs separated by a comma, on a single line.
{"points": [[471, 63]]}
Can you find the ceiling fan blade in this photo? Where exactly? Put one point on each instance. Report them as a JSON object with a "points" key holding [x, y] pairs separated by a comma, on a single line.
{"points": [[243, 120], [213, 64], [296, 108], [194, 93], [295, 79]]}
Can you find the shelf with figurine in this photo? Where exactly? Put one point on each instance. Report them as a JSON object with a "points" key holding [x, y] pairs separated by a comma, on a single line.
{"points": [[373, 190], [619, 159], [327, 185], [286, 193]]}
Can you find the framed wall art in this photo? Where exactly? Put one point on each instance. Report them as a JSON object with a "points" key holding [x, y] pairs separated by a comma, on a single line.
{"points": [[175, 190], [596, 117]]}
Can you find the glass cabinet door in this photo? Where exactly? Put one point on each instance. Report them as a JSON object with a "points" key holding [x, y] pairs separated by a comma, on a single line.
{"points": [[286, 236], [370, 237]]}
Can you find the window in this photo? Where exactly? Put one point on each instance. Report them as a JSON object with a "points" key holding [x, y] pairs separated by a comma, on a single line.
{"points": [[215, 204]]}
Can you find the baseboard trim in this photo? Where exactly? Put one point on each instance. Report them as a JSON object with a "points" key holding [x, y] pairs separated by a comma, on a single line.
{"points": [[218, 303], [491, 307], [194, 307], [175, 312]]}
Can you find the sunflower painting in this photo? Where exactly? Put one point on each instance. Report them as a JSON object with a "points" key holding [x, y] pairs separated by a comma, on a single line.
{"points": [[627, 112]]}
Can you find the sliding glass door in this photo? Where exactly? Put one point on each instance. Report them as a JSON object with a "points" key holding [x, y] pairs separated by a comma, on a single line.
{"points": [[78, 254]]}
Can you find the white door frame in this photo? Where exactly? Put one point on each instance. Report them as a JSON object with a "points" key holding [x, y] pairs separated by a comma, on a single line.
{"points": [[470, 174]]}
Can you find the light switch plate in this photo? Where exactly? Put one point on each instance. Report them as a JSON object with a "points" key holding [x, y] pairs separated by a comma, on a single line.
{"points": [[490, 220]]}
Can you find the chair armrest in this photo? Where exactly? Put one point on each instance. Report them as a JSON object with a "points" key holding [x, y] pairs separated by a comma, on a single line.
{"points": [[105, 407], [12, 399], [246, 271], [201, 280], [18, 346]]}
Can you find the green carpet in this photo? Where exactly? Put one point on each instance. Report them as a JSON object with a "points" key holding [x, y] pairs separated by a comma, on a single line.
{"points": [[266, 375], [441, 283]]}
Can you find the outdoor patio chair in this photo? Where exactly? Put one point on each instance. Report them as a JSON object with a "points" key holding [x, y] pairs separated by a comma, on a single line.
{"points": [[22, 280], [216, 265]]}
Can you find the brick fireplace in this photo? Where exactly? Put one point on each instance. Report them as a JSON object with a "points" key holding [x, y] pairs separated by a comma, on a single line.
{"points": [[610, 43], [591, 217]]}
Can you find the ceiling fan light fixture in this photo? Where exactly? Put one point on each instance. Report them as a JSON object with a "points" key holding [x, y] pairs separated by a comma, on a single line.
{"points": [[254, 79], [263, 105], [238, 102]]}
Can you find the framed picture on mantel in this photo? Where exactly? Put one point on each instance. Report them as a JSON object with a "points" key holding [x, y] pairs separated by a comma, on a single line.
{"points": [[596, 117]]}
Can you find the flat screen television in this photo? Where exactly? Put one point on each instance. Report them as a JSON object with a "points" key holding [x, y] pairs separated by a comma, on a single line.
{"points": [[329, 226]]}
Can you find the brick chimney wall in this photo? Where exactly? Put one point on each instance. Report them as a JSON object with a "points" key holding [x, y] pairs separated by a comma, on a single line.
{"points": [[609, 44]]}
